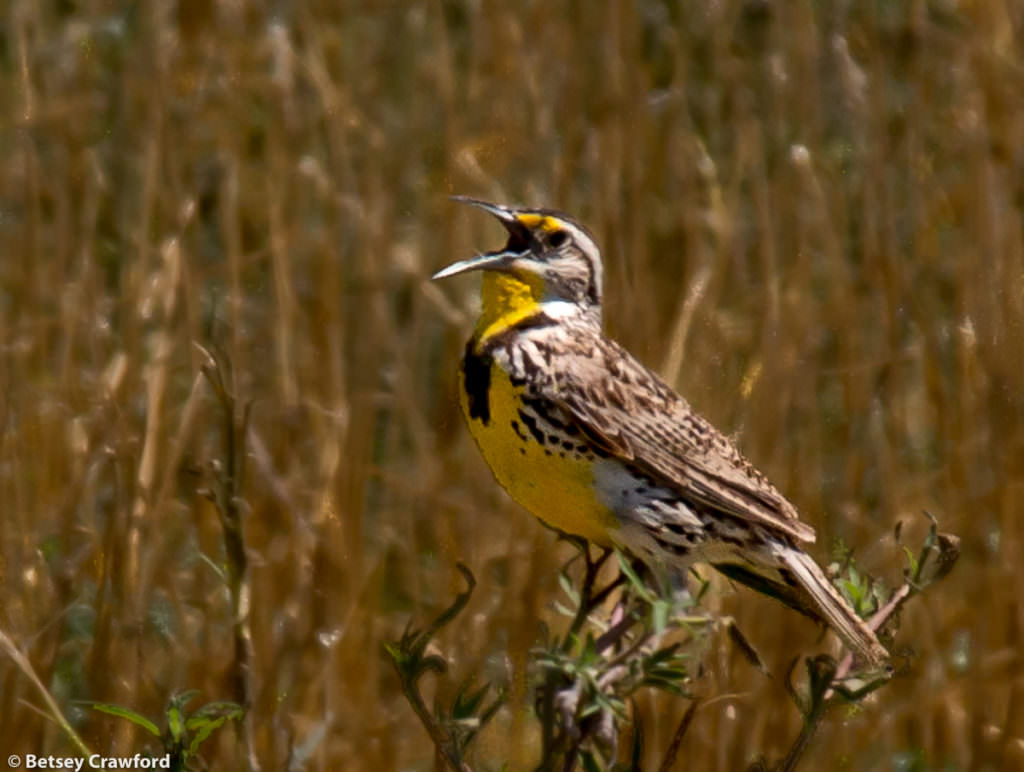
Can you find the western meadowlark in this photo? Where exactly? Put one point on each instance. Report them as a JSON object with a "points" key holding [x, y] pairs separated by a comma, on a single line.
{"points": [[595, 444]]}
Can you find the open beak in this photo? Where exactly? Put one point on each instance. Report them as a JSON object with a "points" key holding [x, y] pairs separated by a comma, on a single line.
{"points": [[518, 245]]}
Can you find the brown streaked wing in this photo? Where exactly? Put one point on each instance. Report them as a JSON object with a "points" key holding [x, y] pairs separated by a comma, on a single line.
{"points": [[637, 417]]}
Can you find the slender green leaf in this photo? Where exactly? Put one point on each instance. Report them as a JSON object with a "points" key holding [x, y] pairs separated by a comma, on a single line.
{"points": [[130, 715]]}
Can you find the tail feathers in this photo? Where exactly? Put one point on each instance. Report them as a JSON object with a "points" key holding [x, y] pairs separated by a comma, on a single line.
{"points": [[779, 586], [831, 606]]}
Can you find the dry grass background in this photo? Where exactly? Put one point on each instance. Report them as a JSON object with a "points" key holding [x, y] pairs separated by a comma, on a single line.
{"points": [[812, 218]]}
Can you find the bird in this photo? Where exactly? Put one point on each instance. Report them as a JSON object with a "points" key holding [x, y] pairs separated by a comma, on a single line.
{"points": [[595, 444]]}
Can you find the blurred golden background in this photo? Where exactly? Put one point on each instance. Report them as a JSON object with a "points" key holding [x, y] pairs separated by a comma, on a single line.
{"points": [[812, 222]]}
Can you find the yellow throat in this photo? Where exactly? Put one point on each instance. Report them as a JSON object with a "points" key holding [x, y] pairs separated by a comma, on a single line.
{"points": [[504, 300]]}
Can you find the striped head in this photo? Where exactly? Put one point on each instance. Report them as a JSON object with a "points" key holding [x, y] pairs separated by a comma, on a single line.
{"points": [[549, 265]]}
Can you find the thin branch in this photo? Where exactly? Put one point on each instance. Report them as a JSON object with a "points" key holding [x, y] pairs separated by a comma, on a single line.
{"points": [[822, 672], [230, 504], [410, 661], [677, 737]]}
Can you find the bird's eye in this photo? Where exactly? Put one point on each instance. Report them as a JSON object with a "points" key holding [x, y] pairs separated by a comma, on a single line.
{"points": [[558, 239]]}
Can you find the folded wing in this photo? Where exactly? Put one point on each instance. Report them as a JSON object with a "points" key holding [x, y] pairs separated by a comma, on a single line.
{"points": [[634, 415]]}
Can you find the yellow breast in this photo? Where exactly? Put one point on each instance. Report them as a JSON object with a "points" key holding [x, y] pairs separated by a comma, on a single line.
{"points": [[552, 478]]}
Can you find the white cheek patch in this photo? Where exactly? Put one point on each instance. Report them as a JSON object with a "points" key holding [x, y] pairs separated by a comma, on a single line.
{"points": [[560, 309]]}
